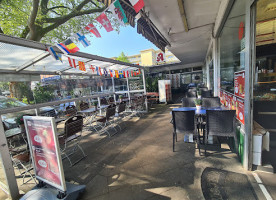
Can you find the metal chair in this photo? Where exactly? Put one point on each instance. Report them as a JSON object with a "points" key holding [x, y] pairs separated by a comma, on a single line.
{"points": [[120, 112], [206, 93], [220, 123], [184, 122], [209, 102], [103, 101], [191, 93], [188, 102], [70, 110], [69, 141], [84, 106]]}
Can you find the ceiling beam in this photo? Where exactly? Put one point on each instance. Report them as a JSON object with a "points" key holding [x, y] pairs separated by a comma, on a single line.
{"points": [[183, 15]]}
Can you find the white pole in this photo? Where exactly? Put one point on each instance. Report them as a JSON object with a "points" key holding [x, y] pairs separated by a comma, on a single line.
{"points": [[145, 90]]}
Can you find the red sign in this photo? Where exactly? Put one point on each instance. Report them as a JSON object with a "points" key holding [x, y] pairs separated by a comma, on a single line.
{"points": [[241, 30], [239, 84], [240, 110], [160, 58], [44, 147]]}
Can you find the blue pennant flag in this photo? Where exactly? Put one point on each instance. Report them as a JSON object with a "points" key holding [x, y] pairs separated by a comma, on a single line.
{"points": [[84, 41]]}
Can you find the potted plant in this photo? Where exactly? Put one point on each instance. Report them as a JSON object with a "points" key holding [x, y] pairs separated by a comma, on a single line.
{"points": [[120, 98], [198, 103], [20, 121], [199, 94]]}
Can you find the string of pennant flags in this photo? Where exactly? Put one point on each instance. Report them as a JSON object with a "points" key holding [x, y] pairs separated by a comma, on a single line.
{"points": [[68, 46]]}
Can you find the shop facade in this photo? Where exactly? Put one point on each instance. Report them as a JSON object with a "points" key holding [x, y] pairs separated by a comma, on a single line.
{"points": [[241, 67]]}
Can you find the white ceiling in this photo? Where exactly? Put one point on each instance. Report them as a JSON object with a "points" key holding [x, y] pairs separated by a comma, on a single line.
{"points": [[191, 46]]}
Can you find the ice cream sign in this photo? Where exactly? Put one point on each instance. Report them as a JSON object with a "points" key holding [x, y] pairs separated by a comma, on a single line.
{"points": [[239, 84], [240, 110]]}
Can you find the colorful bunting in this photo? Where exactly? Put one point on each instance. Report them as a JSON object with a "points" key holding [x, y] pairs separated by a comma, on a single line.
{"points": [[118, 12], [72, 62], [82, 39], [81, 66], [102, 19], [116, 74], [91, 28], [93, 69], [137, 5], [68, 47], [99, 71], [56, 55]]}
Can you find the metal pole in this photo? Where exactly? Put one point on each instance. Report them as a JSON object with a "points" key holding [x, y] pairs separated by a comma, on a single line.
{"points": [[128, 93], [216, 67], [113, 88], [145, 90], [7, 164]]}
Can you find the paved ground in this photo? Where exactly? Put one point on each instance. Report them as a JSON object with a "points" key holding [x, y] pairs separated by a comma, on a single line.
{"points": [[138, 163]]}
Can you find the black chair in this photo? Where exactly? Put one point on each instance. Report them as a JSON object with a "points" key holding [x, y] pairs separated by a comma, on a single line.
{"points": [[84, 106], [203, 89], [188, 102], [206, 93], [111, 100], [72, 135], [221, 123], [184, 123], [71, 110], [191, 93], [103, 101], [120, 112], [210, 102]]}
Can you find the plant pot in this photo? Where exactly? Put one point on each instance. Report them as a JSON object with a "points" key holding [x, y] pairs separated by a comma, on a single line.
{"points": [[198, 107], [22, 128]]}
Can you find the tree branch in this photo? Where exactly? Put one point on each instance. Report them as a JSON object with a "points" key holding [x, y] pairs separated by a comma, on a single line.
{"points": [[55, 7], [61, 20], [33, 13], [55, 12], [95, 4], [72, 14], [44, 7], [1, 31]]}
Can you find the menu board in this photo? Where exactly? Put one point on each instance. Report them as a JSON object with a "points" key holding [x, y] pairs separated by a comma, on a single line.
{"points": [[240, 110], [44, 148], [239, 84]]}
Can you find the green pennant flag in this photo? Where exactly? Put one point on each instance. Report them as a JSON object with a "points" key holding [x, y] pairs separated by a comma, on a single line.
{"points": [[118, 12]]}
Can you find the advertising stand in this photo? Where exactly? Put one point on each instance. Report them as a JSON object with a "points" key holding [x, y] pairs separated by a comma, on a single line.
{"points": [[47, 162]]}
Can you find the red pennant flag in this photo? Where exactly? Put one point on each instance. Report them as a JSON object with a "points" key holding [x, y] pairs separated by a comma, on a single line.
{"points": [[131, 73], [104, 22], [137, 5], [81, 66], [124, 74], [91, 28], [92, 69], [100, 71], [72, 62], [139, 71]]}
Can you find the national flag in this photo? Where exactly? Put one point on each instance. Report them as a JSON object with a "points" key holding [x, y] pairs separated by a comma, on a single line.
{"points": [[118, 12], [56, 55], [102, 19], [82, 39], [105, 72], [121, 75], [68, 47], [92, 69], [81, 66], [137, 5], [111, 73], [139, 71], [72, 62], [127, 73], [91, 28], [116, 74], [99, 71], [132, 73]]}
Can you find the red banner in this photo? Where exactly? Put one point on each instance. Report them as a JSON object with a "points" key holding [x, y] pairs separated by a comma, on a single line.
{"points": [[240, 110], [239, 84], [45, 150]]}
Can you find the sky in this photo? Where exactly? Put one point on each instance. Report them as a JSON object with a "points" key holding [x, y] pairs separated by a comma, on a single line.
{"points": [[111, 44]]}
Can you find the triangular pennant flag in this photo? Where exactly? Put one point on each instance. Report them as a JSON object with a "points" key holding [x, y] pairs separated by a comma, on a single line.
{"points": [[105, 72], [116, 74], [118, 12], [99, 71], [127, 73], [111, 74], [132, 73], [56, 55], [93, 69], [137, 5], [102, 19], [81, 66], [91, 28], [68, 47], [72, 62], [139, 71], [82, 39]]}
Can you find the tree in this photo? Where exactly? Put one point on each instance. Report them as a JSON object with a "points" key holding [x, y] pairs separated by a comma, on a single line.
{"points": [[50, 21], [122, 57]]}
